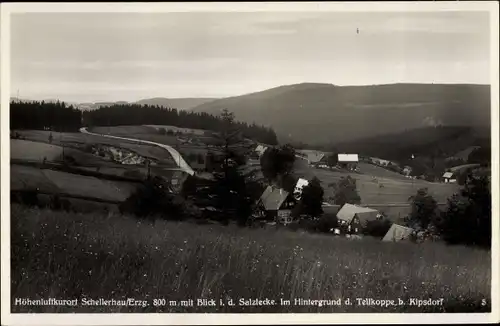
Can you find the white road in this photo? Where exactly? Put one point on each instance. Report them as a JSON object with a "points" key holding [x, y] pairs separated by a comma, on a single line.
{"points": [[181, 163]]}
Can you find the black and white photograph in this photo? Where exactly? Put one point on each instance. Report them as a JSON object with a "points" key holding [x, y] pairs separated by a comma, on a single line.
{"points": [[249, 159]]}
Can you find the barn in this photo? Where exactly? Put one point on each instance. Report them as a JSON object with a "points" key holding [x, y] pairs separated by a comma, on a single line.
{"points": [[348, 161]]}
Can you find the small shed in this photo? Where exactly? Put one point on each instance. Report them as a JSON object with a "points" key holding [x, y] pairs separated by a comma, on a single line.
{"points": [[397, 233], [449, 177], [354, 218]]}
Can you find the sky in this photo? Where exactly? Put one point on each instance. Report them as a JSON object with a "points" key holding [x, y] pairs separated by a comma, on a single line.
{"points": [[91, 57]]}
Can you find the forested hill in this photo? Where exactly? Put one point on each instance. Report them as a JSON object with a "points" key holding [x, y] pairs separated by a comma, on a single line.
{"points": [[322, 113], [61, 117], [135, 114]]}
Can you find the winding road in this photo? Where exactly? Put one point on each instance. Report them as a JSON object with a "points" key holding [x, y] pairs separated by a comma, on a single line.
{"points": [[181, 163]]}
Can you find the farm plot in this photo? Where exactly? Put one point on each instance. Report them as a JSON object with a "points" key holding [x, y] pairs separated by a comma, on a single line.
{"points": [[124, 130], [28, 178], [379, 172], [89, 186], [34, 151]]}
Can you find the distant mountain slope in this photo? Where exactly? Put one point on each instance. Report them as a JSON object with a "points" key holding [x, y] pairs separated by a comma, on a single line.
{"points": [[325, 113], [178, 103]]}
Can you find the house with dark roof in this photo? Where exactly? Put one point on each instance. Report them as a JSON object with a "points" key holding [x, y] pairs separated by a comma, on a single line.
{"points": [[353, 218], [275, 204]]}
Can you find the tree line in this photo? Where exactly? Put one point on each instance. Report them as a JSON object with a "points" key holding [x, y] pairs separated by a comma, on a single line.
{"points": [[136, 114], [57, 116]]}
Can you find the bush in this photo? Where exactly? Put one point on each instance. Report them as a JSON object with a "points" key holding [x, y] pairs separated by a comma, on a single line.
{"points": [[58, 204], [69, 160], [377, 228], [326, 223], [162, 131], [170, 133], [424, 209], [27, 198], [467, 219], [153, 200], [345, 191]]}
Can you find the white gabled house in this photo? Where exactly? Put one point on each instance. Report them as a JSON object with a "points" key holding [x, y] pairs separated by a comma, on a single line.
{"points": [[301, 183], [449, 177]]}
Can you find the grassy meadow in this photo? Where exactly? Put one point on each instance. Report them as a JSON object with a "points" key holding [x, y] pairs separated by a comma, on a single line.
{"points": [[62, 255]]}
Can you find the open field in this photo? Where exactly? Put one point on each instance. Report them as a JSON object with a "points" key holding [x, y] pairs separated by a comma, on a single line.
{"points": [[199, 132], [123, 130], [35, 151], [137, 132], [48, 181], [28, 178], [392, 190], [115, 256]]}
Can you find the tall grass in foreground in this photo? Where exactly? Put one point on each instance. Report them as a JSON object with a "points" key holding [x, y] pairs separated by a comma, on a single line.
{"points": [[67, 256]]}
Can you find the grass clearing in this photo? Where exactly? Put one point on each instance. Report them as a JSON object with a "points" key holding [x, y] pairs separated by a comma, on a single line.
{"points": [[24, 177], [34, 151], [89, 186], [50, 181], [56, 254]]}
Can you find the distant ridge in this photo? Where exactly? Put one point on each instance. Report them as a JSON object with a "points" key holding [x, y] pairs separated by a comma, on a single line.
{"points": [[326, 113]]}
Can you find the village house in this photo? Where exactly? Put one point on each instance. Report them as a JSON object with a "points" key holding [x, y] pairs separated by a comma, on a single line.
{"points": [[353, 218], [275, 204], [348, 161], [449, 177], [315, 158], [397, 233]]}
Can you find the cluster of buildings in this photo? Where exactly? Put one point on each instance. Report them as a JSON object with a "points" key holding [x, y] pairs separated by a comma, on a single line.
{"points": [[275, 206], [119, 155]]}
